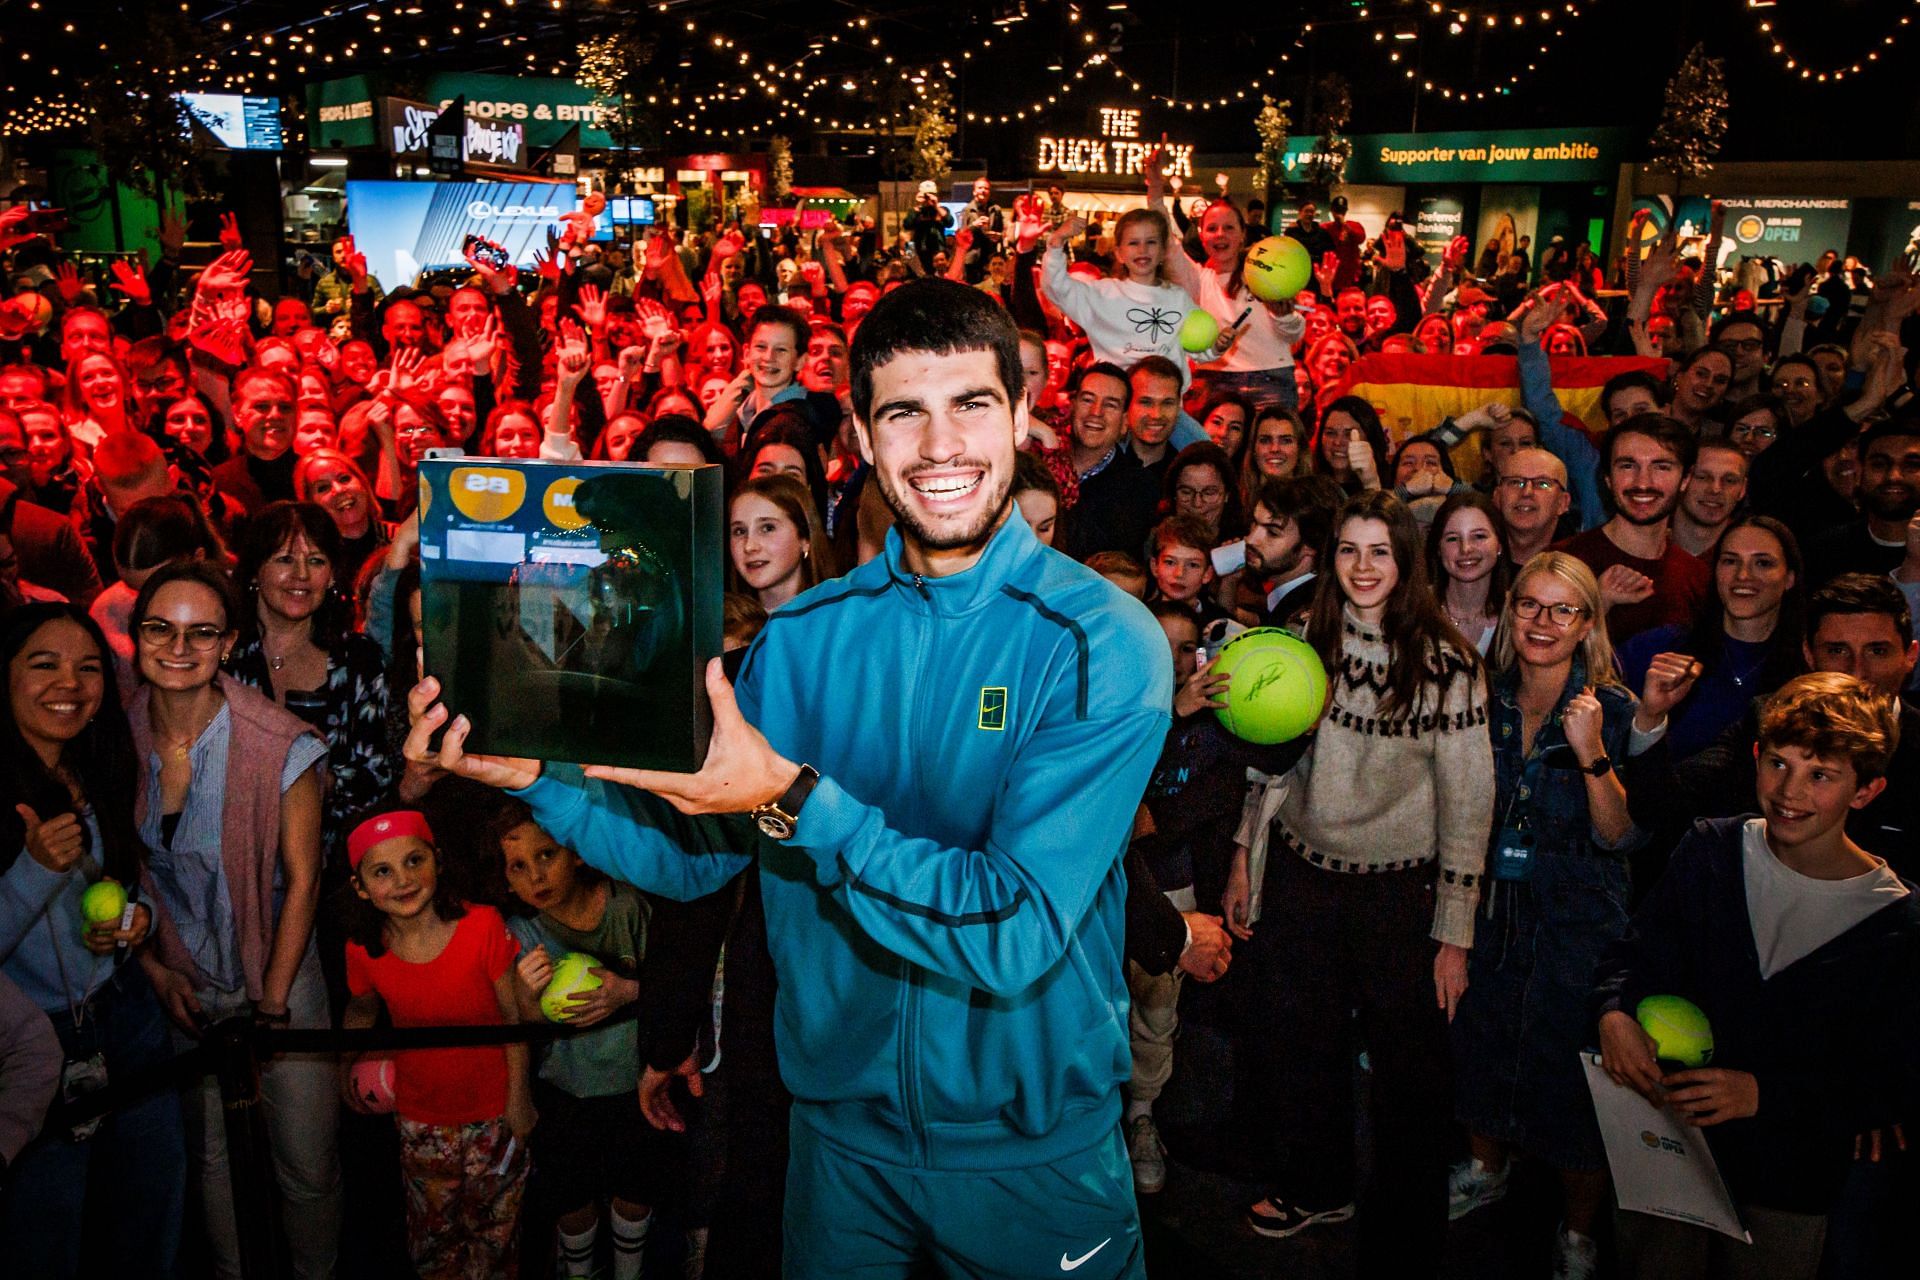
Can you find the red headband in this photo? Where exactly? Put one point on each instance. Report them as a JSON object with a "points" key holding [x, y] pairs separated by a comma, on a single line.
{"points": [[388, 826]]}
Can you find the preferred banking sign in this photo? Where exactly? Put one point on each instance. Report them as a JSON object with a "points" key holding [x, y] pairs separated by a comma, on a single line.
{"points": [[1507, 155]]}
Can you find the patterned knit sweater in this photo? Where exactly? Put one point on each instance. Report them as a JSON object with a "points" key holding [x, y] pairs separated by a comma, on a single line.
{"points": [[1389, 792]]}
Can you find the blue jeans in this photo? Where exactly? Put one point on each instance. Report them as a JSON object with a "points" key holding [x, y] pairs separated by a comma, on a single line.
{"points": [[136, 1163]]}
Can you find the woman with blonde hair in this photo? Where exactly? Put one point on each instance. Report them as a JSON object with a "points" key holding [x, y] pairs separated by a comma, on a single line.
{"points": [[1556, 897]]}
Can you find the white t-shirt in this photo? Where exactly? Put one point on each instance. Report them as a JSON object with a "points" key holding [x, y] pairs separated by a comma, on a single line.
{"points": [[1794, 915]]}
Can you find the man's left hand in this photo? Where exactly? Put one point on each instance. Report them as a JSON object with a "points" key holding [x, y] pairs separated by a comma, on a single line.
{"points": [[742, 770]]}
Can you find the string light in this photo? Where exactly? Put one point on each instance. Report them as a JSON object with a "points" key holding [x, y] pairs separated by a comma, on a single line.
{"points": [[1800, 69], [1461, 20]]}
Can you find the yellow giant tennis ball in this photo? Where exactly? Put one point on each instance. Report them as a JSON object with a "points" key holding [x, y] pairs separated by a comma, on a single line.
{"points": [[1680, 1031], [103, 902], [1278, 686], [1277, 268]]}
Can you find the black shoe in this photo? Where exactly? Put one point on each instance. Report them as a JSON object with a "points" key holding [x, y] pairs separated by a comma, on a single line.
{"points": [[1288, 1218]]}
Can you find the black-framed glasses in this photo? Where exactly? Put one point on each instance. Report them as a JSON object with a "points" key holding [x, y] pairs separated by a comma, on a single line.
{"points": [[1526, 608], [201, 636], [1520, 484], [1212, 493]]}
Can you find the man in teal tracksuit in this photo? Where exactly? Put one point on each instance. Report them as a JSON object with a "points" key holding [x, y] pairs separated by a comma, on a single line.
{"points": [[945, 916]]}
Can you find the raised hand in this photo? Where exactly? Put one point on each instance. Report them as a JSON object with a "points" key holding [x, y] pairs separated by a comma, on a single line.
{"points": [[1670, 678], [354, 263], [9, 219], [230, 237], [1395, 244], [592, 307], [130, 278], [1582, 722], [1029, 224], [496, 280], [1066, 232], [405, 369], [632, 363], [171, 233], [546, 266], [572, 357], [1539, 316], [226, 274], [1621, 585], [66, 278]]}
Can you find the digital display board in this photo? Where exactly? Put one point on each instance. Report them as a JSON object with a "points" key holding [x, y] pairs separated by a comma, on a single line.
{"points": [[405, 228], [236, 121]]}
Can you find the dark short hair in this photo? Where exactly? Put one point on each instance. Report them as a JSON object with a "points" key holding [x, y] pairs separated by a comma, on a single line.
{"points": [[678, 428], [1154, 366], [1670, 432], [940, 317], [773, 313], [1309, 501], [1106, 369], [271, 528], [1860, 593], [1632, 378], [1726, 322], [1175, 609], [1905, 424]]}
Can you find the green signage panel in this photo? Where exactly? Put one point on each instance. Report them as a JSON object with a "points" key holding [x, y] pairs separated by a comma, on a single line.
{"points": [[546, 105], [1504, 155], [340, 113]]}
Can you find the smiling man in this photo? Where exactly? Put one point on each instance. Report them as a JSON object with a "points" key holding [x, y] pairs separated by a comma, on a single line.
{"points": [[942, 877], [1646, 578]]}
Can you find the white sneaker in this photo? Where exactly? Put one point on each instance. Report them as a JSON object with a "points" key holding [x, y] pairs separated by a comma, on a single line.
{"points": [[1148, 1154], [1575, 1257], [1472, 1185]]}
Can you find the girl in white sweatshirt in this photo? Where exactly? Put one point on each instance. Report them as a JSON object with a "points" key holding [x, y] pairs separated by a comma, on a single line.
{"points": [[1135, 314]]}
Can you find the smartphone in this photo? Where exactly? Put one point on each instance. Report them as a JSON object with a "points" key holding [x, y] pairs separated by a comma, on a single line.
{"points": [[486, 252]]}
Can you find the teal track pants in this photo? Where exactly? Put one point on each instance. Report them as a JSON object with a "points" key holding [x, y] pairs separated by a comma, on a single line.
{"points": [[853, 1220]]}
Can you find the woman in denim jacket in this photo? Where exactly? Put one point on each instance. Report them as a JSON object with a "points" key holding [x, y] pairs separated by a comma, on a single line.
{"points": [[1557, 896]]}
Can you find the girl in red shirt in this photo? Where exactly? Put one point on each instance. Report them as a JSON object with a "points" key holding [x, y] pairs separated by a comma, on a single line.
{"points": [[464, 1114]]}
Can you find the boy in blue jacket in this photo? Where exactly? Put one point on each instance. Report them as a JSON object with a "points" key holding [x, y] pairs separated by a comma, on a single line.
{"points": [[1803, 950], [942, 879]]}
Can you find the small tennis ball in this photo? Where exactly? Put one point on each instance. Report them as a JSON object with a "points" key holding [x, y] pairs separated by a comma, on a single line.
{"points": [[103, 902], [572, 976], [1198, 331], [1681, 1033]]}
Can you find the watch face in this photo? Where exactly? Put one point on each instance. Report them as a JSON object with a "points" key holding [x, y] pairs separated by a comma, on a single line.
{"points": [[775, 825]]}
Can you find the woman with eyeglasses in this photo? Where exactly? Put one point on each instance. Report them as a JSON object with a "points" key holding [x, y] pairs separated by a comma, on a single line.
{"points": [[1200, 485], [1796, 380], [112, 1190], [228, 804], [1556, 896], [1758, 423]]}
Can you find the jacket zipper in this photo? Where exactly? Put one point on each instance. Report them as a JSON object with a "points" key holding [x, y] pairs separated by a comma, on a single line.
{"points": [[910, 1097]]}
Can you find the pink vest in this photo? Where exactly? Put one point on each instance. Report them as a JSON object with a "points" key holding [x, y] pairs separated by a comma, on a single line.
{"points": [[262, 733]]}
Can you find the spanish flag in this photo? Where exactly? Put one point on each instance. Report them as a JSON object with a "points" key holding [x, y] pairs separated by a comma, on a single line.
{"points": [[1413, 394]]}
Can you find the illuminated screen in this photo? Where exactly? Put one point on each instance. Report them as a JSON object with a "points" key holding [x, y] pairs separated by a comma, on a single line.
{"points": [[405, 228], [240, 123]]}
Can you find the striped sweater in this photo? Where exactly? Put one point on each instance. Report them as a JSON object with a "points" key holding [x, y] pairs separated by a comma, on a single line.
{"points": [[1387, 792]]}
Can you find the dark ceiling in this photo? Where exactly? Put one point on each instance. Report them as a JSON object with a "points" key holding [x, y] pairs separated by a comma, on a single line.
{"points": [[1606, 61]]}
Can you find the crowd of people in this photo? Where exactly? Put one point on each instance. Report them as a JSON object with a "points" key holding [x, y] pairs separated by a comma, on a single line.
{"points": [[1568, 661]]}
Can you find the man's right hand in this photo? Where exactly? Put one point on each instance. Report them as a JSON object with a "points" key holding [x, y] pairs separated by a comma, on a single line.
{"points": [[1670, 678], [427, 715], [1211, 951]]}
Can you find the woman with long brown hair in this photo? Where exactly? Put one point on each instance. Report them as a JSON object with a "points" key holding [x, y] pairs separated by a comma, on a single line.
{"points": [[1378, 841]]}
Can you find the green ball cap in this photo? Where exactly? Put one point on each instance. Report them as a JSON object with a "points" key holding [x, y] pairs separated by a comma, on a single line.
{"points": [[103, 902], [1198, 331], [1277, 268], [572, 976], [1278, 686], [1680, 1031]]}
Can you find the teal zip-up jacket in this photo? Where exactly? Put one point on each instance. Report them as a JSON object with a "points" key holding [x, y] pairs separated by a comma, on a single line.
{"points": [[947, 921]]}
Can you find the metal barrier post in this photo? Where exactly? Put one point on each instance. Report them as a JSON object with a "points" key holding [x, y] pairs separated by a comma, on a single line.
{"points": [[236, 1065]]}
